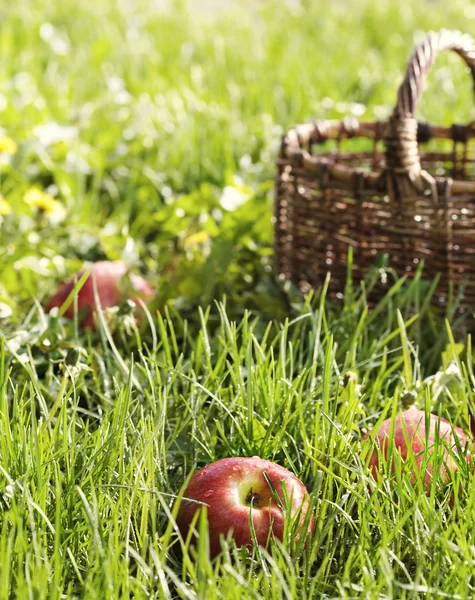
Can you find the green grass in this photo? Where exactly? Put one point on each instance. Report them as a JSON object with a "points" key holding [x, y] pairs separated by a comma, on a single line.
{"points": [[143, 122]]}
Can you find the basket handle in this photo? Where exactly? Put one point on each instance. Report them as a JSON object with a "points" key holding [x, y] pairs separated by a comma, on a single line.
{"points": [[402, 154]]}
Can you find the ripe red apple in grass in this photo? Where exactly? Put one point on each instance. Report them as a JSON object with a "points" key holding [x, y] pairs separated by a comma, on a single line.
{"points": [[410, 432], [233, 488], [111, 279]]}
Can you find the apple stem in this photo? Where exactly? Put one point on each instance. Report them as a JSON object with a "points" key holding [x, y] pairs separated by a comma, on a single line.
{"points": [[472, 421], [252, 497]]}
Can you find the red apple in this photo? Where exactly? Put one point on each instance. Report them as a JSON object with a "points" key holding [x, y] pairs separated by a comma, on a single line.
{"points": [[410, 431], [229, 487], [109, 278]]}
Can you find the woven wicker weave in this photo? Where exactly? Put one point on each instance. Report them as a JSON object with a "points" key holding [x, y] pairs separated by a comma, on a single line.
{"points": [[394, 200]]}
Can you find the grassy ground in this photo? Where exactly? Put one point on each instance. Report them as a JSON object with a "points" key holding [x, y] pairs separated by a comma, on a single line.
{"points": [[155, 130]]}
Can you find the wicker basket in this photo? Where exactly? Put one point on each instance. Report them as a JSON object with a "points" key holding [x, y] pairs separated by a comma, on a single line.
{"points": [[393, 203]]}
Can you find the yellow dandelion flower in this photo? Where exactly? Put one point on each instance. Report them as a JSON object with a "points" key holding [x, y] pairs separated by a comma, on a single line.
{"points": [[36, 198], [195, 239], [5, 208], [7, 145], [45, 203]]}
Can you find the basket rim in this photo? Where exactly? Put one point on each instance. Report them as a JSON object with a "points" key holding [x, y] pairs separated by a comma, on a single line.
{"points": [[298, 140]]}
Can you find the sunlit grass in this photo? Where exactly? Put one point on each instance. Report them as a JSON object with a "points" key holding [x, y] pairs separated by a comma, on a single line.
{"points": [[91, 463]]}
